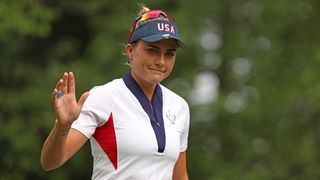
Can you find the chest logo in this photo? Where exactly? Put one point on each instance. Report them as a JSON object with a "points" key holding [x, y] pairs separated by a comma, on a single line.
{"points": [[171, 117]]}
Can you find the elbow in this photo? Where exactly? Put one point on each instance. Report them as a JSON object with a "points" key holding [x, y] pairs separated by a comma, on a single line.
{"points": [[49, 163], [46, 166]]}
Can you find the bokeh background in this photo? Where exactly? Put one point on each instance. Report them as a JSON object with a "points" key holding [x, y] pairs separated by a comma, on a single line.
{"points": [[250, 73]]}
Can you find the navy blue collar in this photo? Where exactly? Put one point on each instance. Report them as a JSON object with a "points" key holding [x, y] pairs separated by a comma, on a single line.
{"points": [[154, 110]]}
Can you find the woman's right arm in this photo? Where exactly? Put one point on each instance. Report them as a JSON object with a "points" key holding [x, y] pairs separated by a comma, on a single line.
{"points": [[63, 142], [58, 147]]}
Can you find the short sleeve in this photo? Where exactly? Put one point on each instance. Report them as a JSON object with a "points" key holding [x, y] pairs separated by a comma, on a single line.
{"points": [[95, 111], [185, 133]]}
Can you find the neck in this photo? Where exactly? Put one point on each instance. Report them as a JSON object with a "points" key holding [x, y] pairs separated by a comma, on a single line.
{"points": [[148, 91], [147, 88]]}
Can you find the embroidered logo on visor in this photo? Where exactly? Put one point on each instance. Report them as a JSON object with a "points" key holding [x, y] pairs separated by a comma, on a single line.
{"points": [[166, 27], [166, 36]]}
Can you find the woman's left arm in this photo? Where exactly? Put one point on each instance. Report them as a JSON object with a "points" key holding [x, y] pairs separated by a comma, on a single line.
{"points": [[180, 168]]}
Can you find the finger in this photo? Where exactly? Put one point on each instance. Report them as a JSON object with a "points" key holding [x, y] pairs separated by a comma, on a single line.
{"points": [[64, 88], [58, 88], [54, 97], [72, 83], [59, 84], [83, 98]]}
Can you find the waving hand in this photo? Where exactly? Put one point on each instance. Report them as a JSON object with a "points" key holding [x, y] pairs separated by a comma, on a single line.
{"points": [[66, 107]]}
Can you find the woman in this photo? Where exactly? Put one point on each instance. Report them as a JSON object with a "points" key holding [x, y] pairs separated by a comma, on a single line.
{"points": [[138, 129]]}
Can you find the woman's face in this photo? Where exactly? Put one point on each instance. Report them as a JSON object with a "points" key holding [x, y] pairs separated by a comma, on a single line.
{"points": [[151, 62]]}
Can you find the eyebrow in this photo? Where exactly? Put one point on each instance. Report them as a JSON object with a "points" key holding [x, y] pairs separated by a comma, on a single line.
{"points": [[170, 49]]}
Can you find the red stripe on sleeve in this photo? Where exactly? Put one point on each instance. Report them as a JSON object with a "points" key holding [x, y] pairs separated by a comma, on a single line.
{"points": [[106, 137]]}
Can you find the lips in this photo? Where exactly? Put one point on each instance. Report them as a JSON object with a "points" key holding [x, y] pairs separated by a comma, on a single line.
{"points": [[156, 70]]}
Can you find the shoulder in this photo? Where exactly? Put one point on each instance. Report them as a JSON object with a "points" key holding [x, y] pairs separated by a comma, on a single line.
{"points": [[173, 97], [107, 88], [105, 92]]}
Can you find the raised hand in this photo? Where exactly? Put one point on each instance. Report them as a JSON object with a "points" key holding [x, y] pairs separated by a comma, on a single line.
{"points": [[66, 107]]}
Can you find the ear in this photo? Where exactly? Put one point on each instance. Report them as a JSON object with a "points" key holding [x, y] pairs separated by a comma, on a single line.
{"points": [[129, 50]]}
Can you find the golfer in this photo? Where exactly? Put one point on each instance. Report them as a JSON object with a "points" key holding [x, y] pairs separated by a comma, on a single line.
{"points": [[138, 129]]}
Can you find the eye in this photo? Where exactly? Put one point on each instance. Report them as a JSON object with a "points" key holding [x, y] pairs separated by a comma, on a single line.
{"points": [[152, 50], [171, 54]]}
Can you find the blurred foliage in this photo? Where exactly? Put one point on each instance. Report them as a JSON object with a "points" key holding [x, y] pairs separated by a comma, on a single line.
{"points": [[249, 73]]}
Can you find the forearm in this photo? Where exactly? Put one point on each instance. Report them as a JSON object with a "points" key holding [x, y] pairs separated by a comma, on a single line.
{"points": [[180, 168], [181, 176], [53, 151]]}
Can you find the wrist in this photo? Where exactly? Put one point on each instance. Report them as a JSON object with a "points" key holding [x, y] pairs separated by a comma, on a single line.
{"points": [[62, 129]]}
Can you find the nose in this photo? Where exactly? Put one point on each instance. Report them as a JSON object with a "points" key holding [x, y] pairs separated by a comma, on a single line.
{"points": [[160, 60]]}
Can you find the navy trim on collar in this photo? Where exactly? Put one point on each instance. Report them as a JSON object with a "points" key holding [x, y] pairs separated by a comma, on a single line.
{"points": [[155, 114]]}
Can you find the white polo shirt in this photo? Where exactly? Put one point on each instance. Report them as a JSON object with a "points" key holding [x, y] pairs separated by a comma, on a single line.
{"points": [[129, 139]]}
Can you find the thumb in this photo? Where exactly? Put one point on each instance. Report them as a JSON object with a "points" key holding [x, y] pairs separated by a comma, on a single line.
{"points": [[83, 98]]}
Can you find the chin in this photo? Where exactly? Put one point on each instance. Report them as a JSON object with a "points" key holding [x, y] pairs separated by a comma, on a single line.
{"points": [[155, 81], [159, 78]]}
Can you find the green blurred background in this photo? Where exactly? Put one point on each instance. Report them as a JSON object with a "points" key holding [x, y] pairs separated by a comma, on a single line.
{"points": [[250, 73]]}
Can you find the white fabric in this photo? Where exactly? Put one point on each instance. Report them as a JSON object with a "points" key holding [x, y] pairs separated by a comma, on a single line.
{"points": [[137, 155]]}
